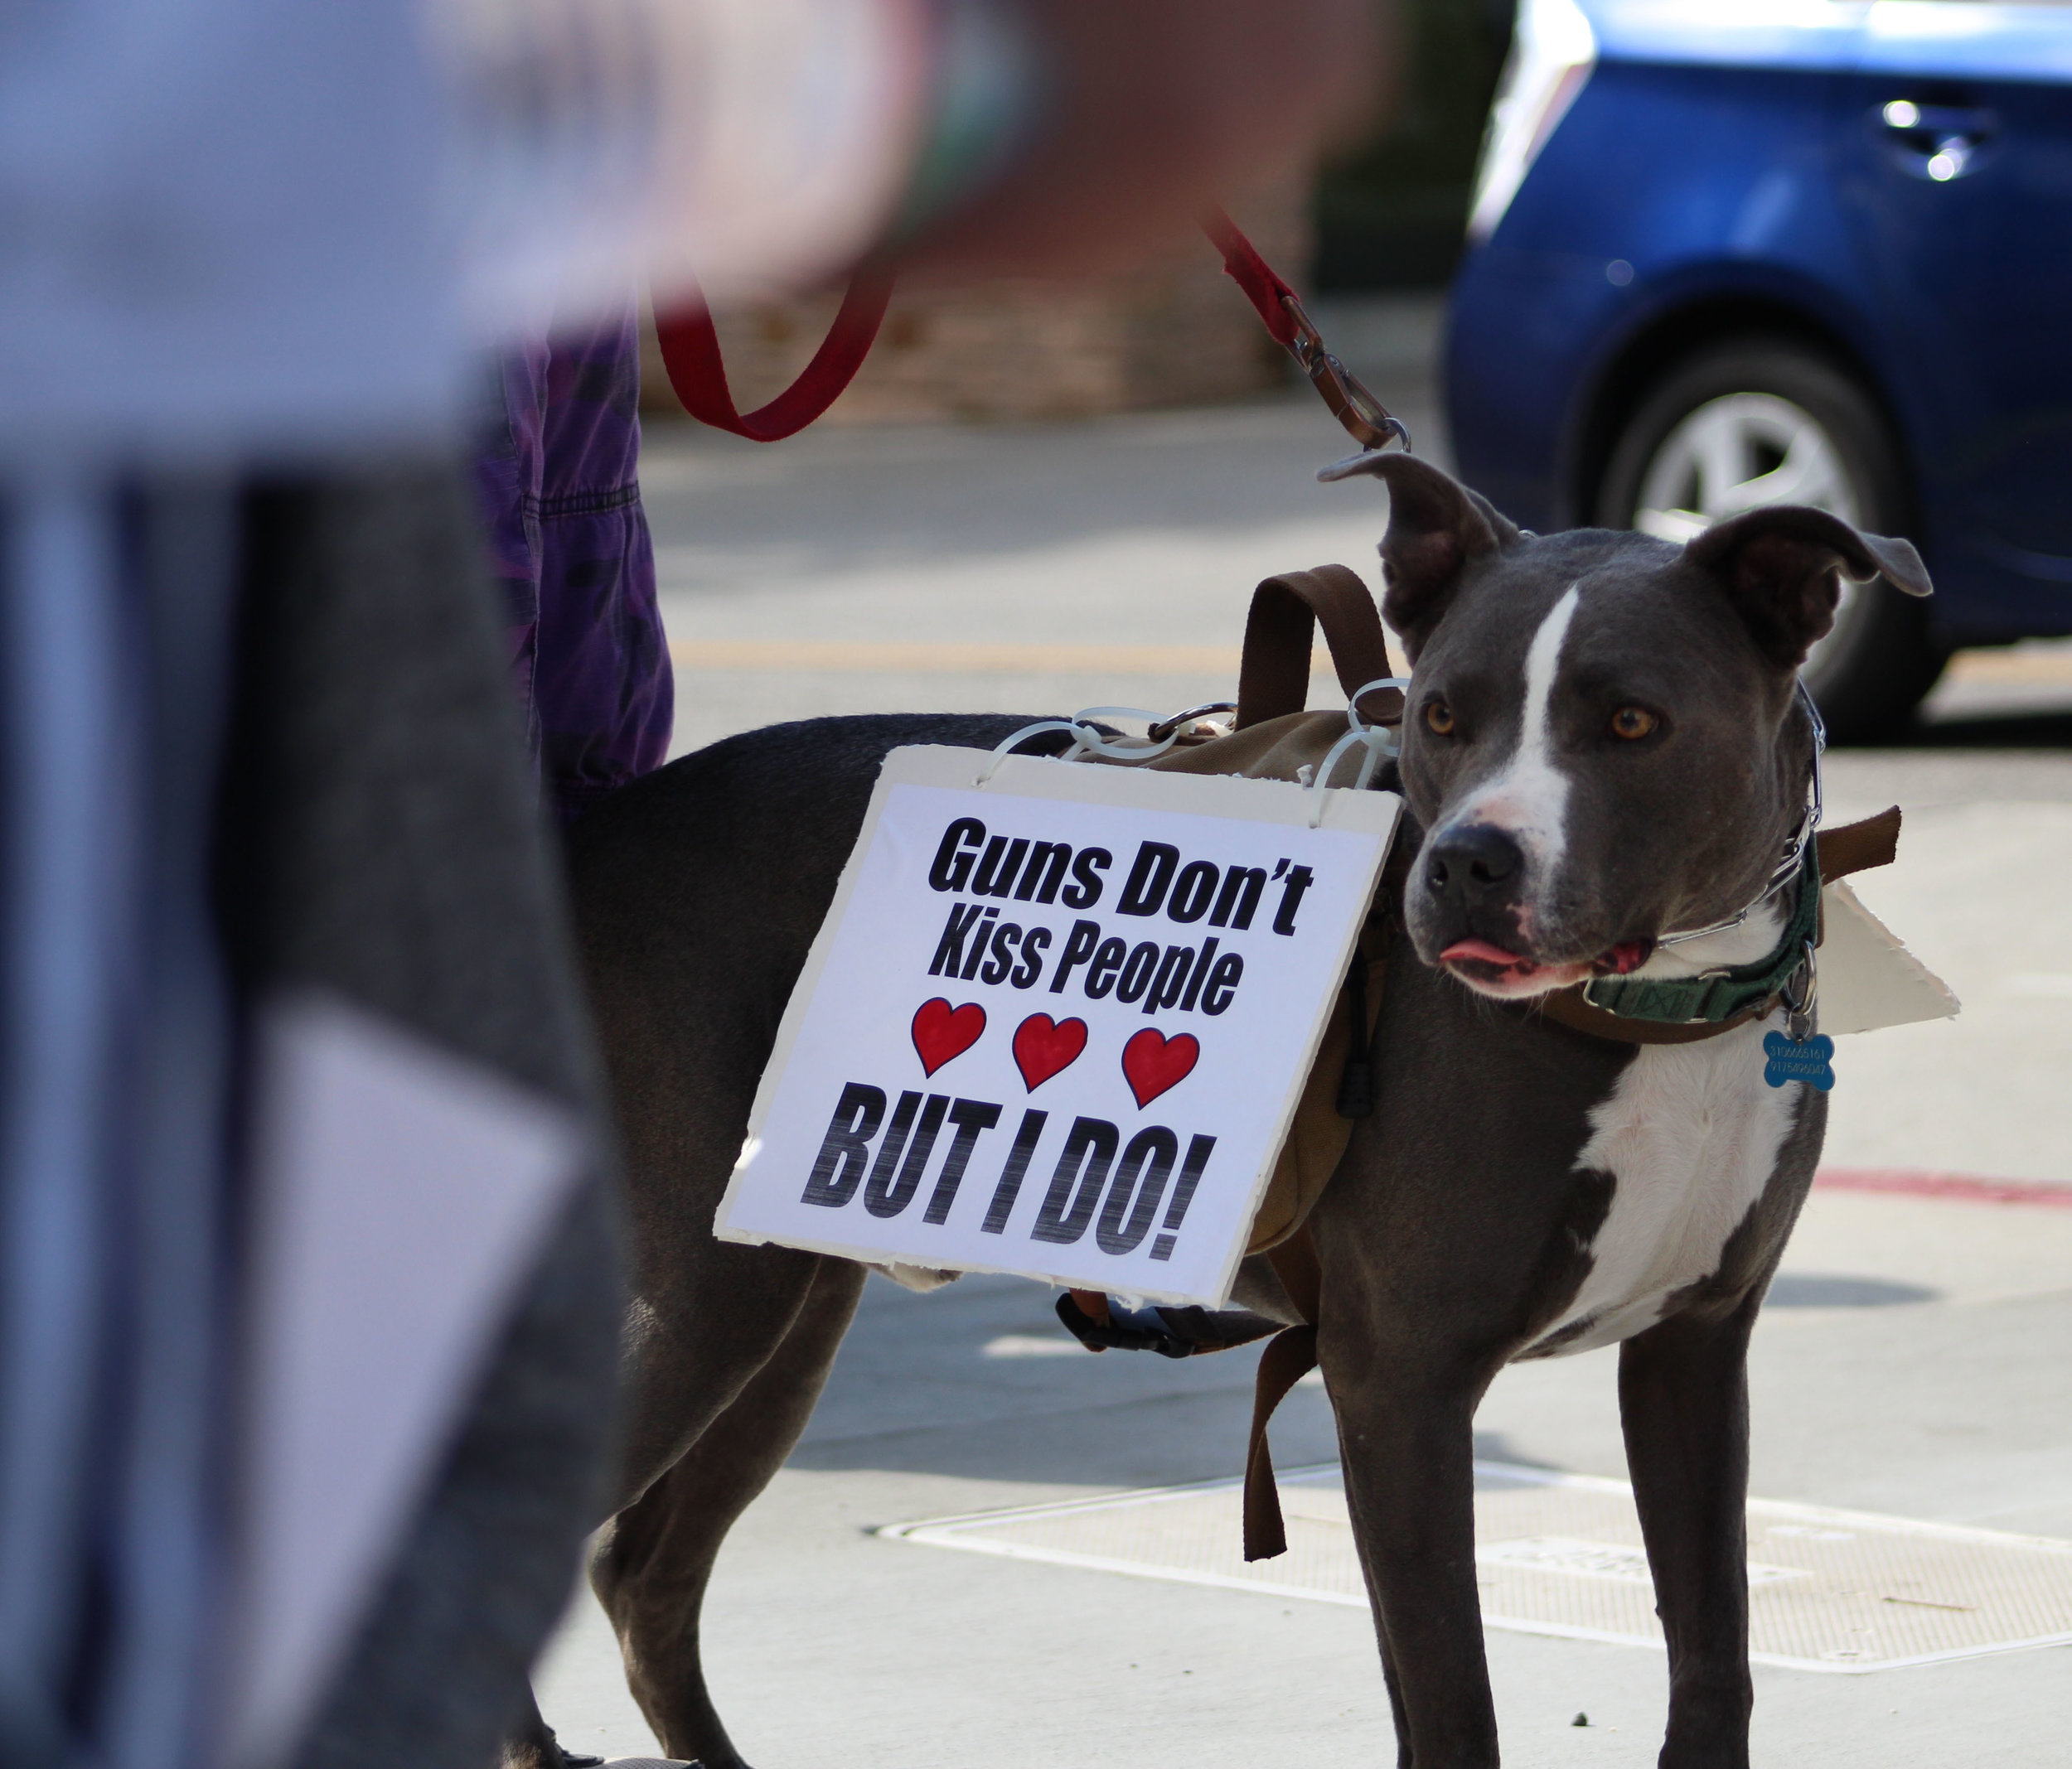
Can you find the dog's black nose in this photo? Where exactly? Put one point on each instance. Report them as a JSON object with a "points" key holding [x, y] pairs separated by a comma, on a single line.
{"points": [[1473, 862]]}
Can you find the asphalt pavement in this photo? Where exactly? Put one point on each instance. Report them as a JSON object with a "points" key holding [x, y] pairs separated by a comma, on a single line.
{"points": [[1913, 1360]]}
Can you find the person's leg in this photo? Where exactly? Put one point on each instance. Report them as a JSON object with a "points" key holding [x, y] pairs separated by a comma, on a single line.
{"points": [[603, 691], [508, 459]]}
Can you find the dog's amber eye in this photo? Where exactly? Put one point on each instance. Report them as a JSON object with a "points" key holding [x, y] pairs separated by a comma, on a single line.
{"points": [[1439, 717], [1632, 722]]}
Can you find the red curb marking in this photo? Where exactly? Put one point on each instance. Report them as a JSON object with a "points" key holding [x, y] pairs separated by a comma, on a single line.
{"points": [[1968, 1187]]}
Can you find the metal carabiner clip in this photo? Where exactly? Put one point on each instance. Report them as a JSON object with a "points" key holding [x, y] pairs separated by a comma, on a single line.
{"points": [[1365, 419]]}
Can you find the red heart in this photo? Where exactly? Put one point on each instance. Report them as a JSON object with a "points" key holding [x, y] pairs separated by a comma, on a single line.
{"points": [[1042, 1048], [942, 1032], [1152, 1062]]}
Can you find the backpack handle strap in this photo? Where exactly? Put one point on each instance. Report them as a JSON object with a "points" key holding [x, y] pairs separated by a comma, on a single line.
{"points": [[1273, 678]]}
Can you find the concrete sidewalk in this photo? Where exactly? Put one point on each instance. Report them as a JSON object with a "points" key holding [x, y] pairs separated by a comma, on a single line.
{"points": [[1913, 1362]]}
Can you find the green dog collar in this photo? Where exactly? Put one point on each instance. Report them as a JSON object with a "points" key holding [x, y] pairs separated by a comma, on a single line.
{"points": [[1720, 995]]}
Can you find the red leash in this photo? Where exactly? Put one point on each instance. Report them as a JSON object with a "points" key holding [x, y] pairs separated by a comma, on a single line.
{"points": [[1366, 419], [690, 353], [1263, 285]]}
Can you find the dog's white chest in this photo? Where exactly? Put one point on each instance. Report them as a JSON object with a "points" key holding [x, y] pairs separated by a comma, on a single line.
{"points": [[1690, 1136]]}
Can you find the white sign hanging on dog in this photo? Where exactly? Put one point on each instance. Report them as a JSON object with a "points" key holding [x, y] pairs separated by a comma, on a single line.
{"points": [[1057, 1024]]}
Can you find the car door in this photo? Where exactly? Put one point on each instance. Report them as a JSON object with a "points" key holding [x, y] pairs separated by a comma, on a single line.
{"points": [[1953, 152]]}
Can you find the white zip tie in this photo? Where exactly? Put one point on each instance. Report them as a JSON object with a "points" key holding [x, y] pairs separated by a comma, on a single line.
{"points": [[1378, 740], [1087, 741]]}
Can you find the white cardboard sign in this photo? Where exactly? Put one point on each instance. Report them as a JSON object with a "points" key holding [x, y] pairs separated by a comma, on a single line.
{"points": [[1057, 1025], [1868, 980]]}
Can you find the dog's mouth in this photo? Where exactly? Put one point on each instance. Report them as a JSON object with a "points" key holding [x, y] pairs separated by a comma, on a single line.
{"points": [[1490, 969]]}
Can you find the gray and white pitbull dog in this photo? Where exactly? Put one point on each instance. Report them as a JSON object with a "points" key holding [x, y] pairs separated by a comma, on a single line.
{"points": [[1602, 744]]}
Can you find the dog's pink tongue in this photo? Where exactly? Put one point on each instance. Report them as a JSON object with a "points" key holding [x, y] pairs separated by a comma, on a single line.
{"points": [[1481, 952]]}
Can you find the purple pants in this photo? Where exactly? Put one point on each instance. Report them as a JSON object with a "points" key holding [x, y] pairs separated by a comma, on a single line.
{"points": [[557, 477]]}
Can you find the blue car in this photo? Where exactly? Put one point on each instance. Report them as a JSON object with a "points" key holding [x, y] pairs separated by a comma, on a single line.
{"points": [[1788, 251]]}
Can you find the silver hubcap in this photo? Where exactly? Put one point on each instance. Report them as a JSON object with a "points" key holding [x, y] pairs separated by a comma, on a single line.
{"points": [[1738, 452]]}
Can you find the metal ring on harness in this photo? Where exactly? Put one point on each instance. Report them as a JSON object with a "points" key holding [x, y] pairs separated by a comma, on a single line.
{"points": [[1172, 726]]}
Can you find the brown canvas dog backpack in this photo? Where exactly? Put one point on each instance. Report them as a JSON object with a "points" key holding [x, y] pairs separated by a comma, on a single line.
{"points": [[1272, 738]]}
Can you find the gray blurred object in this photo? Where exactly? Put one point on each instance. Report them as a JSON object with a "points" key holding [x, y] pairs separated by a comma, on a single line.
{"points": [[220, 229], [224, 246], [226, 227], [115, 1111], [381, 846]]}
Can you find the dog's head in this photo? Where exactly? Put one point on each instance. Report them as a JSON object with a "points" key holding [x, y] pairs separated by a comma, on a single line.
{"points": [[1602, 738]]}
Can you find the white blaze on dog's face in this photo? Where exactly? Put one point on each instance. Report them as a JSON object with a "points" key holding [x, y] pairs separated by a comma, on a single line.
{"points": [[1601, 739], [1525, 805]]}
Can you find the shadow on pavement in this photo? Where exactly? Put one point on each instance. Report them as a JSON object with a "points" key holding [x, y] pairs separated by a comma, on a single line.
{"points": [[916, 1391], [1125, 1445], [1820, 1290]]}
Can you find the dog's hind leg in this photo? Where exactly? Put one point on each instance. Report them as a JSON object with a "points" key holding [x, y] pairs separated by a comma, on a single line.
{"points": [[652, 1564], [1683, 1396]]}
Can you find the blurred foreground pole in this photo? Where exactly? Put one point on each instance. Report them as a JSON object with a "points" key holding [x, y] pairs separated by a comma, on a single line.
{"points": [[308, 1285]]}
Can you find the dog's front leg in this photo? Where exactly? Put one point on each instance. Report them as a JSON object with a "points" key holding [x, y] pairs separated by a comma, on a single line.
{"points": [[1406, 1437], [1683, 1396]]}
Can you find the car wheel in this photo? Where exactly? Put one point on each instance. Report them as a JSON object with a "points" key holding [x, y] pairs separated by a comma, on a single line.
{"points": [[1765, 422]]}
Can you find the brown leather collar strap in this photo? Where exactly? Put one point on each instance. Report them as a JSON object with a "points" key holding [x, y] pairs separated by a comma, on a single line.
{"points": [[1273, 679], [1859, 847]]}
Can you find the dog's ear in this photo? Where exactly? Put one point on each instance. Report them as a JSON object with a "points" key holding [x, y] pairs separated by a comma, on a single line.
{"points": [[1778, 567], [1436, 526]]}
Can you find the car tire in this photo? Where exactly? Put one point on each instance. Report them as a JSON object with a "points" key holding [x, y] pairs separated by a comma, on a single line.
{"points": [[1788, 413]]}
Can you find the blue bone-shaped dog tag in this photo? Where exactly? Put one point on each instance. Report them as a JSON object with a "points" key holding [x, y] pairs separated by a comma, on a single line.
{"points": [[1809, 1060]]}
